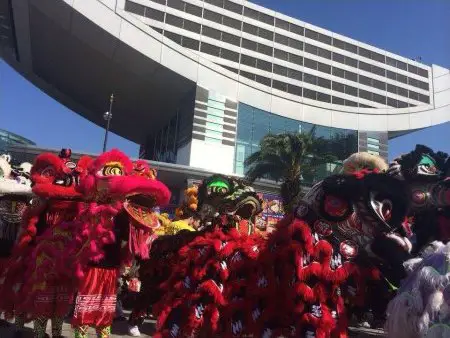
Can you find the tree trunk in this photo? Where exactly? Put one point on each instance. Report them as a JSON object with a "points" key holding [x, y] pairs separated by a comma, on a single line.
{"points": [[290, 193]]}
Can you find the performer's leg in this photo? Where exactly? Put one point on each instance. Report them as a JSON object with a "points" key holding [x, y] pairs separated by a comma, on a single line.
{"points": [[57, 324], [20, 321], [81, 331], [40, 326], [103, 331]]}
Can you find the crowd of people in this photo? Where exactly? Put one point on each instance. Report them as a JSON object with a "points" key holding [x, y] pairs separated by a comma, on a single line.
{"points": [[367, 245]]}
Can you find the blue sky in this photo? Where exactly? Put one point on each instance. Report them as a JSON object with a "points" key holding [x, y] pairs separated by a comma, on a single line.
{"points": [[408, 27]]}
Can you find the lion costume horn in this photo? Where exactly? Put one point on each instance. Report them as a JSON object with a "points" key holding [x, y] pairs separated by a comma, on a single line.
{"points": [[364, 161]]}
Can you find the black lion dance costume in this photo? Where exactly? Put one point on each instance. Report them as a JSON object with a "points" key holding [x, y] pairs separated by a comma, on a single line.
{"points": [[295, 282], [422, 305]]}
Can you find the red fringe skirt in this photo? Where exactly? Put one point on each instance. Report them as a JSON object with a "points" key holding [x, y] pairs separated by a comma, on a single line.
{"points": [[95, 304]]}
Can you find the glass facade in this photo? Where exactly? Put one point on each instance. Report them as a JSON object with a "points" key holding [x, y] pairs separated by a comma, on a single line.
{"points": [[7, 138], [253, 124]]}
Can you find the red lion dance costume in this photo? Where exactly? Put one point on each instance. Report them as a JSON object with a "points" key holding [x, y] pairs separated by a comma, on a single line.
{"points": [[117, 224], [295, 282], [54, 179]]}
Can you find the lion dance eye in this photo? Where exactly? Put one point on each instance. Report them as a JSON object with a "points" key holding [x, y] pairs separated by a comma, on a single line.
{"points": [[112, 170]]}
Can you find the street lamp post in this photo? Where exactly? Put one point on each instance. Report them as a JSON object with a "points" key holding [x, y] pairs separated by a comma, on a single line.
{"points": [[108, 116]]}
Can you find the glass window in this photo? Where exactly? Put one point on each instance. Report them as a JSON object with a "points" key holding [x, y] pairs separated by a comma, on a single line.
{"points": [[296, 29], [391, 75], [231, 39], [214, 126], [216, 102], [295, 44], [211, 32], [351, 76], [402, 104], [364, 52], [324, 53], [392, 102], [295, 74], [212, 16], [424, 98], [250, 29], [323, 97], [351, 48], [365, 66], [377, 57], [309, 94], [159, 30], [268, 19], [350, 103], [248, 44], [351, 90], [161, 2], [308, 78], [280, 70], [310, 63], [282, 24], [379, 84], [265, 49], [230, 22], [412, 69], [402, 91], [244, 132], [174, 37], [279, 85], [190, 43], [379, 98], [192, 26], [248, 60], [263, 80], [229, 55], [338, 100], [378, 70], [174, 20], [294, 90], [324, 38], [265, 34], [423, 85], [284, 40], [338, 57], [210, 49], [218, 112], [177, 4], [154, 14], [231, 69], [391, 88], [324, 82], [134, 8], [218, 3], [192, 9], [338, 72], [310, 49], [391, 62], [297, 59], [413, 82], [263, 65], [339, 87], [233, 7], [324, 68], [422, 72], [251, 13], [281, 54], [364, 94], [413, 95], [401, 65], [365, 80], [338, 43], [351, 62], [402, 78], [311, 34], [259, 131]]}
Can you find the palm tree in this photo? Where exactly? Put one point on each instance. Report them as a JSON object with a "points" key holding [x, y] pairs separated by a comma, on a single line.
{"points": [[289, 158]]}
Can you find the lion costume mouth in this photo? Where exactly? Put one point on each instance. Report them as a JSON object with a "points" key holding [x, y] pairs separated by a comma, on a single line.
{"points": [[140, 208]]}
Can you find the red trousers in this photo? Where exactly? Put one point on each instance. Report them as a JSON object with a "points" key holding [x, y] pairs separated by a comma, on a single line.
{"points": [[95, 304]]}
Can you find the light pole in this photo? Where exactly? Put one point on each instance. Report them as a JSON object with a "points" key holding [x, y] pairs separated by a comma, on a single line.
{"points": [[108, 116]]}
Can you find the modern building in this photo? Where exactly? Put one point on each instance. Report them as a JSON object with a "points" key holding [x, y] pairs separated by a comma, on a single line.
{"points": [[200, 82], [8, 139]]}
